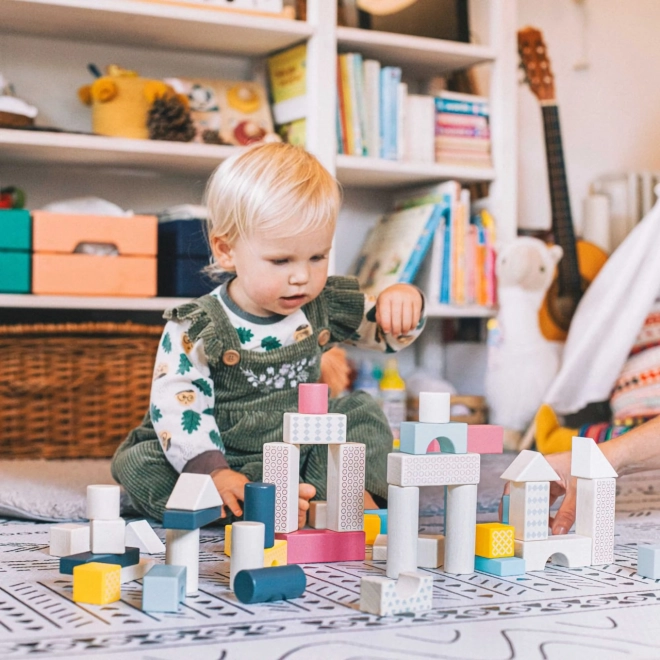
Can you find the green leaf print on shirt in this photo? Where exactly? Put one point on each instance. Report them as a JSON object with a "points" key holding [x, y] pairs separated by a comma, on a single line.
{"points": [[190, 421], [167, 343], [185, 365], [244, 334], [203, 387], [156, 415], [217, 440], [270, 343], [208, 411]]}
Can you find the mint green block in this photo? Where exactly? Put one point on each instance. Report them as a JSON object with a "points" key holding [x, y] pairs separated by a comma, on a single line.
{"points": [[15, 230], [14, 272]]}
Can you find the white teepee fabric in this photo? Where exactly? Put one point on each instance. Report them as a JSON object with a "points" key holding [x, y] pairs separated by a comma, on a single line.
{"points": [[608, 319]]}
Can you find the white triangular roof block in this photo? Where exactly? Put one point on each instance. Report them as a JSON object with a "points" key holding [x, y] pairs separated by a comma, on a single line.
{"points": [[588, 461], [530, 466], [193, 492], [140, 534]]}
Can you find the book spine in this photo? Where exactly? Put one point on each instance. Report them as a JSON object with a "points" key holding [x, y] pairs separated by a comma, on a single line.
{"points": [[360, 102], [371, 70], [354, 118], [348, 103], [450, 130], [422, 246], [390, 78], [453, 119], [446, 259], [461, 107], [342, 139], [401, 119]]}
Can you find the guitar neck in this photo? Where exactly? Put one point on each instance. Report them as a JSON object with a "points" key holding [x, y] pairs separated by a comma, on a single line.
{"points": [[562, 222]]}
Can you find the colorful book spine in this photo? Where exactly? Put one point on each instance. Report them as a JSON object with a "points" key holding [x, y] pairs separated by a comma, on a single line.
{"points": [[342, 136], [344, 64], [360, 101], [422, 246], [462, 107]]}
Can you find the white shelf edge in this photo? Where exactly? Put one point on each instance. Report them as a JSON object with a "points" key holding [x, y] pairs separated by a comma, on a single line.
{"points": [[31, 301], [440, 311]]}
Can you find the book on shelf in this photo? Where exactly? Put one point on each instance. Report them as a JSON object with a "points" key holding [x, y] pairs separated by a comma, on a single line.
{"points": [[462, 104], [395, 247]]}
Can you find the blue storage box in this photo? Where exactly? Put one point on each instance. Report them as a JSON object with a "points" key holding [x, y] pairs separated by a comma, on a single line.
{"points": [[15, 248]]}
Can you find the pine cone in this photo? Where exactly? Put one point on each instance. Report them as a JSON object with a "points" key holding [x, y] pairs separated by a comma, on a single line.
{"points": [[169, 119]]}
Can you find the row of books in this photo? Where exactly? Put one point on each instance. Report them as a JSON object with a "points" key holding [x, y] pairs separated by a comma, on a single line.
{"points": [[432, 239]]}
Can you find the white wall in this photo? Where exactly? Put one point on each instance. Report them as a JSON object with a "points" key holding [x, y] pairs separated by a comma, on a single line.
{"points": [[609, 112]]}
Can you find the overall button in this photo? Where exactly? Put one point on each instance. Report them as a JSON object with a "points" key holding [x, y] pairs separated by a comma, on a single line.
{"points": [[231, 358], [324, 337]]}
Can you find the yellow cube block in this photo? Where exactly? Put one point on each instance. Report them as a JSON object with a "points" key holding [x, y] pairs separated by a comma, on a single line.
{"points": [[494, 540], [371, 527], [275, 556], [96, 583], [228, 540]]}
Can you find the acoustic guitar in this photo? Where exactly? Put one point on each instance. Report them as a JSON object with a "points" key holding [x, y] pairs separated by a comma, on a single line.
{"points": [[582, 260]]}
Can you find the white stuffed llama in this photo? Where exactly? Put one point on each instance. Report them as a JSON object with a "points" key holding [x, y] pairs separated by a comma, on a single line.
{"points": [[521, 362]]}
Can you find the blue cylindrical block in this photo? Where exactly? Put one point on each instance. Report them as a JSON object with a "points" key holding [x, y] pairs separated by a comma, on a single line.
{"points": [[264, 585], [259, 506]]}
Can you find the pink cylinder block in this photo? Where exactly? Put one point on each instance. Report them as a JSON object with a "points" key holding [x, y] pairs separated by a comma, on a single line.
{"points": [[313, 399]]}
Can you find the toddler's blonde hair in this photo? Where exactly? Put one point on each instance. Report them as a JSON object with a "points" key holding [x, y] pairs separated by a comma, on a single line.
{"points": [[272, 187]]}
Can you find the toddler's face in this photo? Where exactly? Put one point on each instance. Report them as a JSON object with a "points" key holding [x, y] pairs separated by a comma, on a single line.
{"points": [[277, 275]]}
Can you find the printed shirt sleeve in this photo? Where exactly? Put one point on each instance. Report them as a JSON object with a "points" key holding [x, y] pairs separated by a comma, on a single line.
{"points": [[370, 335], [182, 401]]}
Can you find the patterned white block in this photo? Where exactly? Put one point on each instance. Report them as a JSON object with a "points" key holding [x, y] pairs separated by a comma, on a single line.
{"points": [[303, 429], [595, 517], [432, 469], [411, 592], [529, 504], [569, 550], [282, 468], [345, 497]]}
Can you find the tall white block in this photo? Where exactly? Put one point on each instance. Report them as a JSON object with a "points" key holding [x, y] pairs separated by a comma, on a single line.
{"points": [[103, 502], [588, 461], [308, 429], [193, 492], [432, 469], [595, 517], [182, 549], [107, 535], [247, 547], [346, 469], [402, 529], [412, 592], [140, 534], [569, 550], [529, 506], [69, 539], [282, 468], [460, 529], [137, 571], [434, 407]]}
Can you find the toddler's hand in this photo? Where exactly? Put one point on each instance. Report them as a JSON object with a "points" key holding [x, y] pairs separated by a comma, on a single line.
{"points": [[398, 309], [305, 494], [230, 485]]}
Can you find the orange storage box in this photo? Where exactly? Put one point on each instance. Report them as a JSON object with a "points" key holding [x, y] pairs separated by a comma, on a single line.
{"points": [[61, 264]]}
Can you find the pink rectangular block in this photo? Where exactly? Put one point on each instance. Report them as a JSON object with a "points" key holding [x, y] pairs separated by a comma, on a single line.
{"points": [[485, 439], [312, 546], [313, 398]]}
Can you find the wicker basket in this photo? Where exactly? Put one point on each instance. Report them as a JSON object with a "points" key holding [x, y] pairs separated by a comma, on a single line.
{"points": [[73, 390]]}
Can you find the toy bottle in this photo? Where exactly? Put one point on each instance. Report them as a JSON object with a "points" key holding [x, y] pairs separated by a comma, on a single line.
{"points": [[393, 395]]}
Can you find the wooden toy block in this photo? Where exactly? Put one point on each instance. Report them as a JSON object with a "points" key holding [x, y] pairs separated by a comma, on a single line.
{"points": [[529, 466], [382, 514], [345, 491], [494, 540], [430, 550], [313, 398], [182, 549], [502, 567], [411, 593], [588, 461], [259, 506], [371, 528], [303, 429], [569, 550], [227, 549], [434, 407], [485, 439], [96, 583], [432, 469], [140, 534], [318, 515], [417, 438], [164, 588], [282, 468], [403, 524], [311, 546], [460, 528], [595, 517], [103, 502], [277, 555], [648, 561], [128, 558], [137, 571], [193, 492], [247, 540], [107, 535], [505, 509], [68, 539], [178, 519], [379, 549], [266, 585], [529, 504]]}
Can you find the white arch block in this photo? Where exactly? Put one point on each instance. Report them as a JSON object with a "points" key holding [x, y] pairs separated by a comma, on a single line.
{"points": [[434, 407], [588, 461], [140, 534], [460, 529], [282, 468], [529, 504], [430, 550], [402, 529], [432, 469], [102, 502], [412, 592], [308, 429], [193, 492], [247, 547], [595, 517], [345, 491], [182, 549], [569, 550]]}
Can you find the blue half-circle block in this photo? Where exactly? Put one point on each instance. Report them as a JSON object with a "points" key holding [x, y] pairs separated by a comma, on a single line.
{"points": [[265, 585], [259, 506]]}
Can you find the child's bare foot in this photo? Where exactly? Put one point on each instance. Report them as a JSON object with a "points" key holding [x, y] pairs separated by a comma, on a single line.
{"points": [[305, 494]]}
